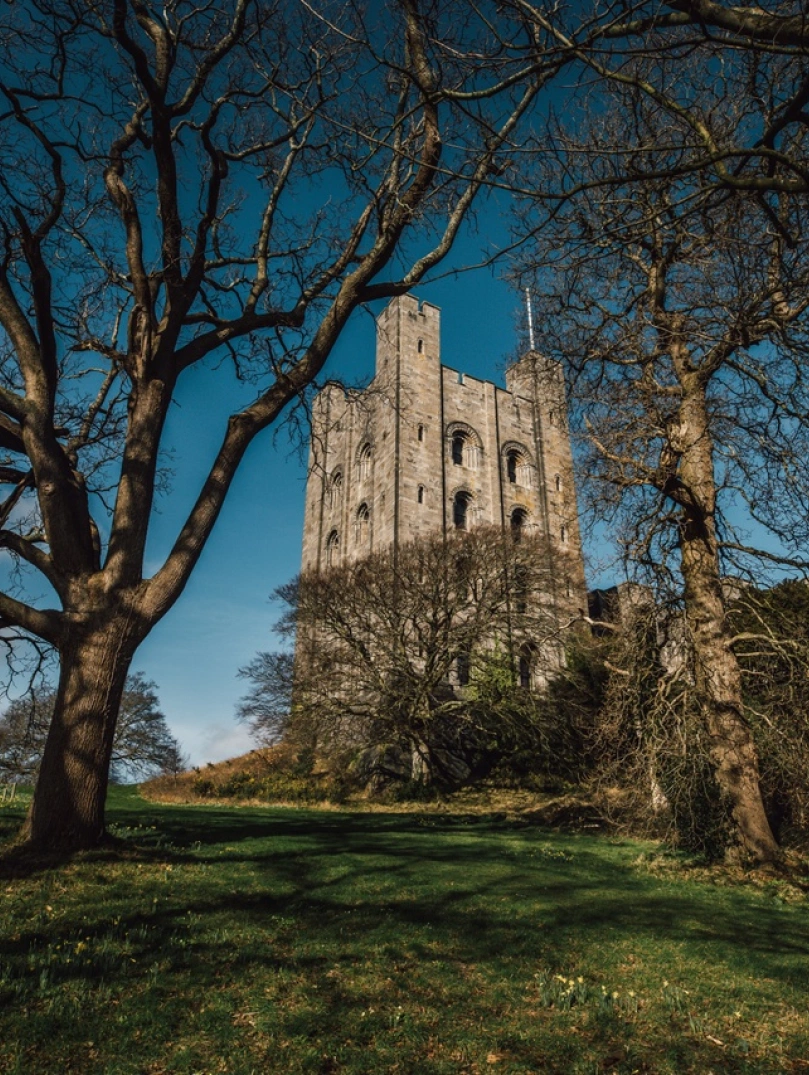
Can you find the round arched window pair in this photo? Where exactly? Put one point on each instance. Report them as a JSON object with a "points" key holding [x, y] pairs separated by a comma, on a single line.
{"points": [[465, 447]]}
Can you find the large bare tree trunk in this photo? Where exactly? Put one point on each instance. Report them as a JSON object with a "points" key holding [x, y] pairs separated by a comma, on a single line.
{"points": [[717, 672], [67, 811]]}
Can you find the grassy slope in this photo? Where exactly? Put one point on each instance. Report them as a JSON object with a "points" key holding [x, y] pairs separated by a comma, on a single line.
{"points": [[263, 940]]}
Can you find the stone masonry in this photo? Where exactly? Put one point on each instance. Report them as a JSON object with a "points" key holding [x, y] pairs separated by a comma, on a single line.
{"points": [[425, 450]]}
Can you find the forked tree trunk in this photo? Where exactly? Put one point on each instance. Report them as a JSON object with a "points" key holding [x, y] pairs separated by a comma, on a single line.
{"points": [[717, 673], [67, 811]]}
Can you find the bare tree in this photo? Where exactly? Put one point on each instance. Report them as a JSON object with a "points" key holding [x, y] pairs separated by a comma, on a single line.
{"points": [[771, 640], [267, 706], [648, 736], [681, 310], [430, 650], [181, 184], [691, 60], [143, 744]]}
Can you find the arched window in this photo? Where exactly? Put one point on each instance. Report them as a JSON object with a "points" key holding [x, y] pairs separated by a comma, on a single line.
{"points": [[517, 466], [458, 444], [558, 483], [465, 446], [461, 511], [421, 433], [420, 494], [332, 549], [519, 520], [421, 347], [363, 524], [336, 486], [364, 462], [563, 533]]}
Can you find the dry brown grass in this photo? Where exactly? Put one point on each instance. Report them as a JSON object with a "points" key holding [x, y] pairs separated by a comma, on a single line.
{"points": [[573, 810], [182, 788]]}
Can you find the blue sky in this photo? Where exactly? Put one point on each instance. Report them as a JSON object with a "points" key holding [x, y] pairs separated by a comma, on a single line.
{"points": [[225, 614]]}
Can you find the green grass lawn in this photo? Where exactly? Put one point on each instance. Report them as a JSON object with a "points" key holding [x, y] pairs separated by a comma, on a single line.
{"points": [[246, 940]]}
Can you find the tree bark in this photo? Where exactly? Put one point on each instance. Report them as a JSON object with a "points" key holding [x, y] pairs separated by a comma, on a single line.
{"points": [[717, 673], [67, 810]]}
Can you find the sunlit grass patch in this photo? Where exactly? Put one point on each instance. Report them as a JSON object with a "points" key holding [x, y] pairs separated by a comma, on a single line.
{"points": [[260, 940]]}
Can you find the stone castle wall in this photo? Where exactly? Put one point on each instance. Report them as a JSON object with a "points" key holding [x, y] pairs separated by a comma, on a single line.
{"points": [[425, 450]]}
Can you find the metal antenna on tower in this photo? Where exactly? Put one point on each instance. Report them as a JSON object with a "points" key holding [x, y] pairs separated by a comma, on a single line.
{"points": [[530, 319]]}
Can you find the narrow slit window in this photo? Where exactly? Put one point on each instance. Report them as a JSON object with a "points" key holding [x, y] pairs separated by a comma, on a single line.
{"points": [[520, 588], [462, 669], [512, 462], [524, 670]]}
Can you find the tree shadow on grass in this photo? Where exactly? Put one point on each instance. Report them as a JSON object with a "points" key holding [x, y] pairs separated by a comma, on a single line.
{"points": [[313, 915], [476, 881], [175, 831]]}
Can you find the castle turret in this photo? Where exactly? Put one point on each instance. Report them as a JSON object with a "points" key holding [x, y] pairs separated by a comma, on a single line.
{"points": [[541, 381]]}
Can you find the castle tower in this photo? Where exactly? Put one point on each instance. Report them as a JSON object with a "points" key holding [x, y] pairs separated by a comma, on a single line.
{"points": [[372, 457], [425, 450]]}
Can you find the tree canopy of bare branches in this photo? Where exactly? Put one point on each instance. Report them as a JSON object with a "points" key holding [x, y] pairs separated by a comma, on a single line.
{"points": [[143, 744], [681, 306], [192, 184], [430, 651]]}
